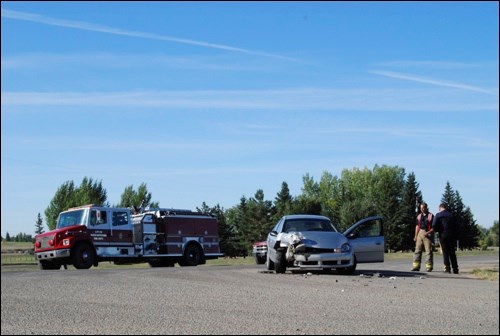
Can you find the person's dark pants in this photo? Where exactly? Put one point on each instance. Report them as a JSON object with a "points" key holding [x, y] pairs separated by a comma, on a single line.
{"points": [[449, 256]]}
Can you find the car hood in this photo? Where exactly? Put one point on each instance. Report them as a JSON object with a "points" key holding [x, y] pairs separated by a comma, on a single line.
{"points": [[316, 239]]}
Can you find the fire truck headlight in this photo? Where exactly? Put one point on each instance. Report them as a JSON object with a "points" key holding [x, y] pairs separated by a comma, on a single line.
{"points": [[38, 244], [51, 242], [65, 242]]}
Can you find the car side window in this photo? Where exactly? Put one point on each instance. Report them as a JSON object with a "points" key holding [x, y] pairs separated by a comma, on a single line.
{"points": [[371, 228]]}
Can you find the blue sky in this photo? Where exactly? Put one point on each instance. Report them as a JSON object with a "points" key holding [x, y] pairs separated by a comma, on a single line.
{"points": [[210, 101]]}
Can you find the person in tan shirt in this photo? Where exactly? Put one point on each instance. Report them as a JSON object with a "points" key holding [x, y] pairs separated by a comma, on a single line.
{"points": [[424, 239]]}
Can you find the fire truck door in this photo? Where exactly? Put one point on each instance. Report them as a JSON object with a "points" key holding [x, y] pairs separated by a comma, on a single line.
{"points": [[121, 228], [99, 228]]}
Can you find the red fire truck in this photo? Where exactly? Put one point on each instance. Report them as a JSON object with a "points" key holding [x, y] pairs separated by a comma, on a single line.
{"points": [[86, 235]]}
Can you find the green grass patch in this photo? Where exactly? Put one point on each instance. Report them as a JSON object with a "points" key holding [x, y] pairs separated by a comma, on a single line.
{"points": [[231, 261], [18, 258], [14, 246], [486, 274]]}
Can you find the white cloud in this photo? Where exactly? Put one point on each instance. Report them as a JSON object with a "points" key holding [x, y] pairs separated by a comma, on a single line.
{"points": [[16, 15], [433, 81], [110, 60], [308, 99], [430, 64]]}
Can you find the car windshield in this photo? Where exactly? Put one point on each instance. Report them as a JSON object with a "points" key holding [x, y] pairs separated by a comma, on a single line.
{"points": [[71, 218], [308, 224]]}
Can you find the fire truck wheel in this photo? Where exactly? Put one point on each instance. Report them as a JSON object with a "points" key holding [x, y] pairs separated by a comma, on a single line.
{"points": [[192, 256], [49, 265], [83, 256]]}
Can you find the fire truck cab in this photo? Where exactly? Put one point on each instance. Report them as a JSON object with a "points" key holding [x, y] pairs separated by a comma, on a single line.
{"points": [[162, 237]]}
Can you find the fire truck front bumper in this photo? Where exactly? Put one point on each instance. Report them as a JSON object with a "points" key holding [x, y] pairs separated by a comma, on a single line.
{"points": [[54, 254]]}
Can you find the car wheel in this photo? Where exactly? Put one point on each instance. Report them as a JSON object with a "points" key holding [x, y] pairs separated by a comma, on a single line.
{"points": [[280, 265], [270, 263]]}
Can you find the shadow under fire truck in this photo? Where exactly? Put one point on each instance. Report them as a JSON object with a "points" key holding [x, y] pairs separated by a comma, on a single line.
{"points": [[86, 235]]}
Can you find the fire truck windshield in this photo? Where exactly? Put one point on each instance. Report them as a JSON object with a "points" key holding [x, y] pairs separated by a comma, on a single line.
{"points": [[76, 217]]}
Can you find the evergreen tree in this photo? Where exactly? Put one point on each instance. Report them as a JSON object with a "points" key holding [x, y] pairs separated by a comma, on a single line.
{"points": [[239, 219], [494, 232], [355, 196], [131, 198], [90, 192], [39, 225], [308, 202], [306, 206], [329, 196], [387, 193], [468, 231], [224, 229], [23, 237], [412, 198], [63, 199], [260, 217], [7, 237], [492, 235], [449, 197], [67, 196], [282, 203], [471, 232]]}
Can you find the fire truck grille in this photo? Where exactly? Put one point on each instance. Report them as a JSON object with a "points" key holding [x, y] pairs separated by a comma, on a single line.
{"points": [[44, 241]]}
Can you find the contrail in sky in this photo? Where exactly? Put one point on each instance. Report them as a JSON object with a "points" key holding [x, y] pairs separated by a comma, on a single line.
{"points": [[432, 81], [6, 13]]}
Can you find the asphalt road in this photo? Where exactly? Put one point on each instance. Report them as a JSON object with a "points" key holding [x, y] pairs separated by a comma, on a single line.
{"points": [[382, 298]]}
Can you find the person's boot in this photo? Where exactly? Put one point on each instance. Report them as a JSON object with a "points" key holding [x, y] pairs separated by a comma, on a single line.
{"points": [[446, 269], [416, 266], [455, 271]]}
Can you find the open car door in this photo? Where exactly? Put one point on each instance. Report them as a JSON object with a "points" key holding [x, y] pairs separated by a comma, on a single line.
{"points": [[367, 239]]}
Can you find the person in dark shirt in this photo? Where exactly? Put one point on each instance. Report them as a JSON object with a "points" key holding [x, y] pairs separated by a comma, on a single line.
{"points": [[446, 225]]}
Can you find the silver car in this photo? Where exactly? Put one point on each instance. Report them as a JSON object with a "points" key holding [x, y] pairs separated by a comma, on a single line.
{"points": [[313, 242]]}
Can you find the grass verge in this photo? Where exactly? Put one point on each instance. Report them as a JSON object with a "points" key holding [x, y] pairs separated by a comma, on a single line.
{"points": [[486, 274]]}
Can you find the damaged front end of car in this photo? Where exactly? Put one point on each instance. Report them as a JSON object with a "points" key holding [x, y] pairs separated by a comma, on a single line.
{"points": [[316, 250]]}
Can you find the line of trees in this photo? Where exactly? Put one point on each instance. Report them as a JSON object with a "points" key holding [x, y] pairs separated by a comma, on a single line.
{"points": [[19, 238], [356, 194]]}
